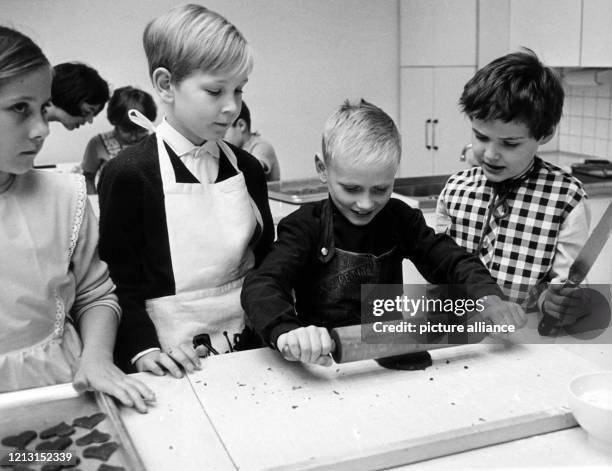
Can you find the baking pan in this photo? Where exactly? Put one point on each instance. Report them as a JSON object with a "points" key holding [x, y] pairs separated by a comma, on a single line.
{"points": [[41, 408]]}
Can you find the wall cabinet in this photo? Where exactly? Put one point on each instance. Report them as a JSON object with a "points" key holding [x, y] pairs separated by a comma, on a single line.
{"points": [[564, 33], [432, 127], [597, 33], [550, 27], [437, 32], [437, 56]]}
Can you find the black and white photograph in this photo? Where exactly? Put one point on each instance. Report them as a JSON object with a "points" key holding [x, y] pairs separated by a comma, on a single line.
{"points": [[305, 235]]}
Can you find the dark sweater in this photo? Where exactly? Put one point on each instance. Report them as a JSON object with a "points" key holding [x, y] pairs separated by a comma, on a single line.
{"points": [[267, 293], [134, 238]]}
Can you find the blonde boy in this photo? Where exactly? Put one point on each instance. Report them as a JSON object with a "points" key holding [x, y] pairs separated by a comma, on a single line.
{"points": [[183, 215], [360, 235]]}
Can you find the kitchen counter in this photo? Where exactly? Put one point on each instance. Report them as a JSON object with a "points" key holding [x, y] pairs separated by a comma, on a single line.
{"points": [[253, 410], [593, 185]]}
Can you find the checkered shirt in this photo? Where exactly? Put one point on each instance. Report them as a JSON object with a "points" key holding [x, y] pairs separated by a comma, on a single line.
{"points": [[519, 249]]}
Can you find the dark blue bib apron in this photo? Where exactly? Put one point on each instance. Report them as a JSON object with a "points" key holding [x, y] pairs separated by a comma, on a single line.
{"points": [[333, 296]]}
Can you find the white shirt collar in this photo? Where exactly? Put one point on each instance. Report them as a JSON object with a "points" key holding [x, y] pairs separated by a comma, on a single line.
{"points": [[180, 144]]}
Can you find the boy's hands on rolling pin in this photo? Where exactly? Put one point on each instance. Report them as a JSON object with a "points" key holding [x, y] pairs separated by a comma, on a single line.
{"points": [[567, 303], [501, 312], [97, 371], [172, 359], [306, 344]]}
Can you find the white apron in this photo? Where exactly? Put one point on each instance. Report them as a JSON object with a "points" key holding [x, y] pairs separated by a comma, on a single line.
{"points": [[40, 224], [210, 228]]}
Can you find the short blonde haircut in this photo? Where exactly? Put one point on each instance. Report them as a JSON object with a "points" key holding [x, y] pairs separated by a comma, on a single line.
{"points": [[192, 37], [362, 132]]}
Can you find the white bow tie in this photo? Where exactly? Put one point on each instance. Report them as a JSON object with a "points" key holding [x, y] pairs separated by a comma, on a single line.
{"points": [[208, 148]]}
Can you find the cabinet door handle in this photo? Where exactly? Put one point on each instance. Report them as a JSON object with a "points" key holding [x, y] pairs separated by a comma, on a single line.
{"points": [[433, 134], [427, 124]]}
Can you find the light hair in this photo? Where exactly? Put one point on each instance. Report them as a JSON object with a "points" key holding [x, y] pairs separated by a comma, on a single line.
{"points": [[362, 132], [18, 55], [191, 37]]}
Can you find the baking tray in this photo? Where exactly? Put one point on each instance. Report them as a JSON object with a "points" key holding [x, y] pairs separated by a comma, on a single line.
{"points": [[297, 191], [41, 408], [600, 169]]}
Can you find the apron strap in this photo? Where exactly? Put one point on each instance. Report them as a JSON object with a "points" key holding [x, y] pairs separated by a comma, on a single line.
{"points": [[327, 246], [141, 120], [229, 153]]}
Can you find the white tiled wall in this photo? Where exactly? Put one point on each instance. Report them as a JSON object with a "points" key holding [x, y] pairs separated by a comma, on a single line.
{"points": [[586, 125]]}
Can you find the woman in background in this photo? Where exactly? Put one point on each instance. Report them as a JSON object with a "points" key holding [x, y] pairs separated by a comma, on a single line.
{"points": [[78, 94]]}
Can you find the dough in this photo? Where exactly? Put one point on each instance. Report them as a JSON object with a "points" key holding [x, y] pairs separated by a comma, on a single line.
{"points": [[20, 441], [101, 452], [59, 430], [409, 361], [89, 422], [94, 436]]}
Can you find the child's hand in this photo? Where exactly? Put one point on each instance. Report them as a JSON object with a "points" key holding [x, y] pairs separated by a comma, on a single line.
{"points": [[98, 372], [567, 303], [182, 356], [501, 312], [307, 344]]}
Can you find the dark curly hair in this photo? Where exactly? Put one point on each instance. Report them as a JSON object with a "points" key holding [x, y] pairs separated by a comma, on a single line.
{"points": [[516, 87]]}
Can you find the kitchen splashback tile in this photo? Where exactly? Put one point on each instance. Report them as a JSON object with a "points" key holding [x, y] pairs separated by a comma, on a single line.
{"points": [[564, 141], [576, 106], [603, 108], [588, 127], [588, 146], [586, 124], [601, 128], [601, 148], [589, 106], [575, 144], [604, 91], [575, 126], [589, 91]]}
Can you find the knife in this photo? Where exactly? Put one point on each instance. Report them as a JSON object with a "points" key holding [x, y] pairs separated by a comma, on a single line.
{"points": [[549, 325]]}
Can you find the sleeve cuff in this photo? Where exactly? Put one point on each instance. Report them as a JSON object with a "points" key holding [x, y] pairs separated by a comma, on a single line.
{"points": [[279, 330], [540, 302], [143, 353], [109, 303], [491, 289]]}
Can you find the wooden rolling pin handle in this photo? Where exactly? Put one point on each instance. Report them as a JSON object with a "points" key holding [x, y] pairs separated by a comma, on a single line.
{"points": [[350, 347]]}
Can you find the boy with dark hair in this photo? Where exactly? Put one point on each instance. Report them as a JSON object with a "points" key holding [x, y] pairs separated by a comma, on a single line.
{"points": [[525, 218]]}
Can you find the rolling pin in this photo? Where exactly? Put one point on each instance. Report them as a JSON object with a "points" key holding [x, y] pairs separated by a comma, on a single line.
{"points": [[350, 347]]}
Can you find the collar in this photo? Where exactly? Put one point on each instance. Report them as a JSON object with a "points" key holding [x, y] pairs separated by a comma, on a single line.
{"points": [[182, 146], [511, 184]]}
